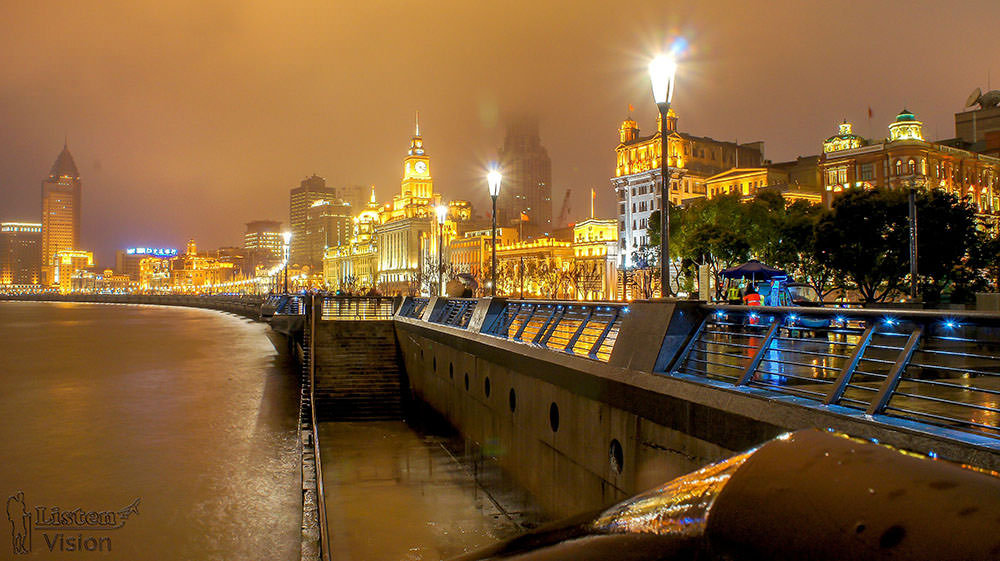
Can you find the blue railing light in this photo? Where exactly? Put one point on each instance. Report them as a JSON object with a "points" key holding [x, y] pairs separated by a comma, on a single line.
{"points": [[793, 317], [625, 310], [951, 324], [890, 321], [932, 454], [720, 314], [840, 319], [753, 315]]}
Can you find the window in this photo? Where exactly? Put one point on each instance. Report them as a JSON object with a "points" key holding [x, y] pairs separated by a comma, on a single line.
{"points": [[899, 168], [866, 172], [911, 167]]}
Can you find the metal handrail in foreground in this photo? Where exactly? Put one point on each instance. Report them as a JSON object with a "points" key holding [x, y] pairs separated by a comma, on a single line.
{"points": [[357, 307], [587, 329], [324, 537], [935, 367]]}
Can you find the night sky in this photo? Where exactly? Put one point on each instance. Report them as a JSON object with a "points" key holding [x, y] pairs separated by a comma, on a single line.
{"points": [[191, 118]]}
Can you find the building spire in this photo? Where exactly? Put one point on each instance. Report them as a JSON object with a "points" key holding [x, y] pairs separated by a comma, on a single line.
{"points": [[372, 199], [418, 124]]}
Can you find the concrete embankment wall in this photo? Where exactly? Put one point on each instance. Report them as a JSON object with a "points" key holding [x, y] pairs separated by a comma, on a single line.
{"points": [[358, 372], [578, 434]]}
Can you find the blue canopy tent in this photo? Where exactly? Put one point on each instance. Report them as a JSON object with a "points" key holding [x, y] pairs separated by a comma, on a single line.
{"points": [[753, 270]]}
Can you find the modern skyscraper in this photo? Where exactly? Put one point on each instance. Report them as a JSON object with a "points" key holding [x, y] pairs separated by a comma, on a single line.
{"points": [[20, 253], [264, 242], [309, 191], [60, 212], [527, 178], [328, 224]]}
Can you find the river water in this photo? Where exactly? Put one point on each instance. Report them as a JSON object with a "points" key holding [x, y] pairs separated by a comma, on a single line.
{"points": [[192, 413], [188, 411]]}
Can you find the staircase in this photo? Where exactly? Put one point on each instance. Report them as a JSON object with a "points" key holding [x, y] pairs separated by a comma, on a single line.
{"points": [[358, 372]]}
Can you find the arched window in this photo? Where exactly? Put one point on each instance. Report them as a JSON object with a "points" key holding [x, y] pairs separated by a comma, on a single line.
{"points": [[911, 167], [899, 167]]}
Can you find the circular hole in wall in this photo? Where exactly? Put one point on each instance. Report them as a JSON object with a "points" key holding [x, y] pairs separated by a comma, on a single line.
{"points": [[554, 416], [466, 381], [486, 386], [616, 455], [512, 400]]}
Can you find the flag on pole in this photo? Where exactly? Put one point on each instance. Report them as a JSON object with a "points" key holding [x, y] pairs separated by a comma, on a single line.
{"points": [[870, 114], [630, 109], [524, 217]]}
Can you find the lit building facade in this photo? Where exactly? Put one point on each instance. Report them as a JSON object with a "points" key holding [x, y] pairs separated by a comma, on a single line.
{"points": [[538, 267], [471, 252], [20, 253], [406, 238], [594, 272], [61, 192], [906, 160], [328, 224], [66, 263], [353, 266], [527, 178], [795, 181], [692, 161], [193, 271], [302, 198], [127, 260], [263, 244]]}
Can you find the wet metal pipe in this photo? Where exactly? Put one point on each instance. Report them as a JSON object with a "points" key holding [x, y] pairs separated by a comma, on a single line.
{"points": [[806, 495]]}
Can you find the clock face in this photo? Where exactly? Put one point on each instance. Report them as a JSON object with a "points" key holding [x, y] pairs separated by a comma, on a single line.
{"points": [[421, 167]]}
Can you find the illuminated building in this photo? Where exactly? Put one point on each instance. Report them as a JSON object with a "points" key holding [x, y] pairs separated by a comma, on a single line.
{"points": [[127, 260], [328, 224], [406, 239], [60, 212], [353, 267], [154, 273], [66, 263], [692, 160], [20, 253], [594, 273], [470, 252], [795, 181], [538, 267], [906, 160], [106, 281], [264, 238], [527, 178], [192, 271], [309, 191]]}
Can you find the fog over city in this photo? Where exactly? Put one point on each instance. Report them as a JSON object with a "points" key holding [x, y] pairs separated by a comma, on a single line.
{"points": [[188, 119]]}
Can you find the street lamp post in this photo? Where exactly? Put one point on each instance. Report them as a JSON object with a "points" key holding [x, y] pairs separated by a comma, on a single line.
{"points": [[288, 240], [442, 214], [661, 75], [493, 178]]}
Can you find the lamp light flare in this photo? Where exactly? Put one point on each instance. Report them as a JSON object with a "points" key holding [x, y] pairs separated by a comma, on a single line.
{"points": [[662, 70], [494, 178], [442, 213], [288, 237]]}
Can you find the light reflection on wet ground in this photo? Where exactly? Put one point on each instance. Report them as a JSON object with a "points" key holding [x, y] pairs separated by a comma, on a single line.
{"points": [[394, 494]]}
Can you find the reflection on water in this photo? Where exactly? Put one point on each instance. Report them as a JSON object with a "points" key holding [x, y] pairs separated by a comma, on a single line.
{"points": [[394, 494], [185, 409]]}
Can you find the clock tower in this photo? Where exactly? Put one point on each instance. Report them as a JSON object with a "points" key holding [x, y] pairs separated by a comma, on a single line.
{"points": [[417, 182]]}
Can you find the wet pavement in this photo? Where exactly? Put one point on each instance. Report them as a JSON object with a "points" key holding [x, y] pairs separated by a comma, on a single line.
{"points": [[393, 493]]}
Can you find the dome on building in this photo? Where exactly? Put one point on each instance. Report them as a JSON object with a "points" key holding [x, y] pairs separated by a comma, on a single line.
{"points": [[906, 127], [64, 165]]}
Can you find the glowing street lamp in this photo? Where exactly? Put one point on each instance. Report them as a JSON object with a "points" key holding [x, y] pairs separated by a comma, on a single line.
{"points": [[661, 75], [288, 240], [442, 215], [493, 178]]}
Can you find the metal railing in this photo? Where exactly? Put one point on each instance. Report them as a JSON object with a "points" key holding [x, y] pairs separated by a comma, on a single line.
{"points": [[414, 307], [456, 312], [587, 329], [357, 307], [938, 368], [288, 304]]}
